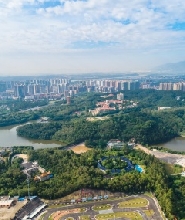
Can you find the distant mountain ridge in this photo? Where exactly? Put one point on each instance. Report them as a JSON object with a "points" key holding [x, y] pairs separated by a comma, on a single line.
{"points": [[171, 68]]}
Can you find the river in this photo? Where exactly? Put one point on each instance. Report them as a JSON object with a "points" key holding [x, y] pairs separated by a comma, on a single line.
{"points": [[9, 138], [176, 144]]}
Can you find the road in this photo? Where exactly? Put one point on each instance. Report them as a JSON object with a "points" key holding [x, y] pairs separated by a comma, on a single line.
{"points": [[115, 208]]}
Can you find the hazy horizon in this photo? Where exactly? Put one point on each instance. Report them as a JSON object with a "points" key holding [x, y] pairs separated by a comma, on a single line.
{"points": [[88, 36]]}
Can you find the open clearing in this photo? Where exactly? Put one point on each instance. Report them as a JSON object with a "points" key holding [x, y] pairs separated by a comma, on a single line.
{"points": [[149, 212], [101, 207], [23, 156], [129, 215], [59, 214], [80, 148], [7, 214], [139, 202], [97, 118], [166, 157]]}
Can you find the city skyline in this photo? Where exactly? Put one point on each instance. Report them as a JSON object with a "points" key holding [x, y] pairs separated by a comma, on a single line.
{"points": [[87, 36]]}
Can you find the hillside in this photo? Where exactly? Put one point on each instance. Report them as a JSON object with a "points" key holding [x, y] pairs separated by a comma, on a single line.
{"points": [[176, 68]]}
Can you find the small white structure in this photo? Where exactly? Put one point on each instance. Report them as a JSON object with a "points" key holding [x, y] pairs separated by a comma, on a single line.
{"points": [[7, 203], [163, 108]]}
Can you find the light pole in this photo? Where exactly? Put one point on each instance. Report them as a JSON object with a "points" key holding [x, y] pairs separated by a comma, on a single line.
{"points": [[28, 184]]}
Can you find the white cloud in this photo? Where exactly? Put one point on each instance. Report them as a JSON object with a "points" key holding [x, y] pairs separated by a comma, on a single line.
{"points": [[43, 26]]}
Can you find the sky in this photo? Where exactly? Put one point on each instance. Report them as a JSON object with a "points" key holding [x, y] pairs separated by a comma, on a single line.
{"points": [[87, 36]]}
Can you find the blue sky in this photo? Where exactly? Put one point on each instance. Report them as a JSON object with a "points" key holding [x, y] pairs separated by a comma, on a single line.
{"points": [[84, 36]]}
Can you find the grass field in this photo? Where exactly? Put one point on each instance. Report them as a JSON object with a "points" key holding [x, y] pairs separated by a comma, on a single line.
{"points": [[134, 203], [129, 215], [42, 216], [149, 212], [102, 207]]}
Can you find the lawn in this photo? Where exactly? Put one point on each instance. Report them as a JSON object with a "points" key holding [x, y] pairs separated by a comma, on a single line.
{"points": [[134, 203], [149, 212], [129, 215], [101, 207], [85, 217], [42, 216]]}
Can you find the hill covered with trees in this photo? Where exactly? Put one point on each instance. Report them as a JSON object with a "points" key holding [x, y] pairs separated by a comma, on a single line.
{"points": [[144, 123], [146, 127], [73, 172]]}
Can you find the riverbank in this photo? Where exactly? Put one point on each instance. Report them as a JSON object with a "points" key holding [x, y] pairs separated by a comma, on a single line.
{"points": [[164, 156], [175, 144], [9, 138]]}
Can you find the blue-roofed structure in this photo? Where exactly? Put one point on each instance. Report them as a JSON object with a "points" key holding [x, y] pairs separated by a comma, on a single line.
{"points": [[129, 167]]}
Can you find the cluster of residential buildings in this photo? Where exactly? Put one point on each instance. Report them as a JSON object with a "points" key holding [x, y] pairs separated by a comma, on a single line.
{"points": [[55, 88], [172, 86], [29, 167], [60, 87], [112, 104]]}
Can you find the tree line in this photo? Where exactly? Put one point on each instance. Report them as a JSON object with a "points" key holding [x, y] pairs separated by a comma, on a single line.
{"points": [[146, 127]]}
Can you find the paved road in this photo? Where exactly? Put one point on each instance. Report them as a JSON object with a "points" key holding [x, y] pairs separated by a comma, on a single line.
{"points": [[115, 208]]}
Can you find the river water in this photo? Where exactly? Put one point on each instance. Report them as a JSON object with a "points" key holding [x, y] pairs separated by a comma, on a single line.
{"points": [[9, 138], [176, 144]]}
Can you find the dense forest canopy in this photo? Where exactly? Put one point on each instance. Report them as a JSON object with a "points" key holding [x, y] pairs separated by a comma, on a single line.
{"points": [[43, 131], [146, 127], [58, 110], [73, 172]]}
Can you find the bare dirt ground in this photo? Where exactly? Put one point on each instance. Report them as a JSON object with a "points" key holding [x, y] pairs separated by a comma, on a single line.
{"points": [[97, 118], [167, 157], [80, 148], [7, 214], [23, 156], [57, 215]]}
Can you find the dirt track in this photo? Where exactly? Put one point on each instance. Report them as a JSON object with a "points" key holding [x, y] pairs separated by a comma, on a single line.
{"points": [[167, 157]]}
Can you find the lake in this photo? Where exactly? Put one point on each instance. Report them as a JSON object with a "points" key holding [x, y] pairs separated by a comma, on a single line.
{"points": [[177, 144], [9, 138]]}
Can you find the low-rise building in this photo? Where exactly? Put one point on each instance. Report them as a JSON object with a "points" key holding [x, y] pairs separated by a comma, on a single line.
{"points": [[163, 108], [43, 176], [7, 203], [115, 143]]}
